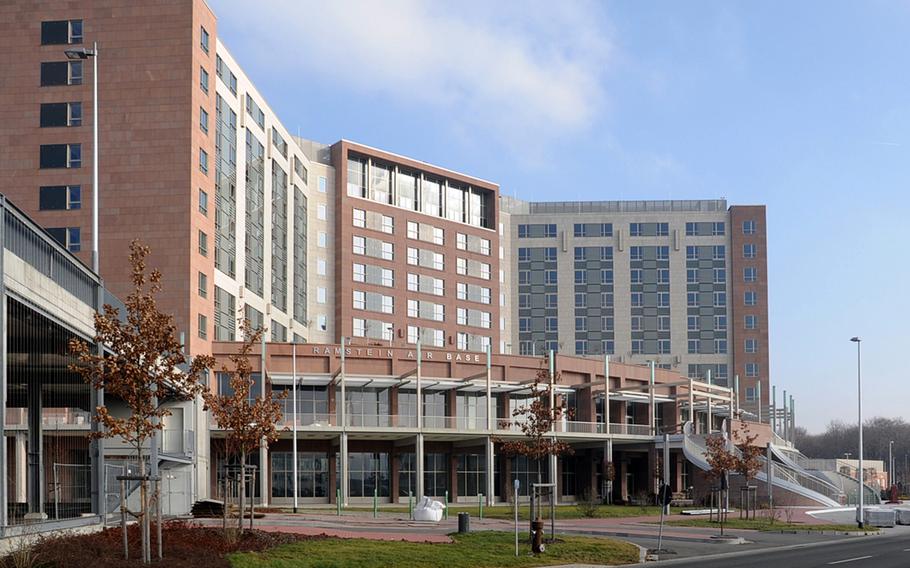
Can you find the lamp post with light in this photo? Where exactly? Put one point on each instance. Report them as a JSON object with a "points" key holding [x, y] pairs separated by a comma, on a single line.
{"points": [[860, 519], [83, 53]]}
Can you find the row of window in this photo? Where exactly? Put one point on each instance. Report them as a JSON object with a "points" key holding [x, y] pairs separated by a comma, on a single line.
{"points": [[390, 184], [693, 229]]}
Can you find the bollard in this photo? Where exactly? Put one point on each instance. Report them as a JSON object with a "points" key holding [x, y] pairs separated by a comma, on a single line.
{"points": [[445, 512], [375, 502], [338, 501], [480, 505], [410, 505], [464, 522]]}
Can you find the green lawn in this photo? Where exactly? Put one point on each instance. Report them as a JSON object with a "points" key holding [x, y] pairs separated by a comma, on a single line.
{"points": [[474, 550], [762, 525], [506, 512]]}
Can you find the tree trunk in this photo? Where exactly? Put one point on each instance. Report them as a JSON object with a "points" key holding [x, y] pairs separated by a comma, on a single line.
{"points": [[242, 488], [144, 528], [224, 499]]}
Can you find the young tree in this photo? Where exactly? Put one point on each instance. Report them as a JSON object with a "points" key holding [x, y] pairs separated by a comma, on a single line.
{"points": [[721, 461], [248, 419], [536, 421], [749, 460], [143, 365]]}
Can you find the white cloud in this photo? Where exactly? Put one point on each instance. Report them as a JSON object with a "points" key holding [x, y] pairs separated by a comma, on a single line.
{"points": [[520, 72]]}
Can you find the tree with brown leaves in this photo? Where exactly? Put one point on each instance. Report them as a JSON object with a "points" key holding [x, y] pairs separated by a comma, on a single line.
{"points": [[249, 421], [143, 365], [537, 421], [748, 462], [721, 461]]}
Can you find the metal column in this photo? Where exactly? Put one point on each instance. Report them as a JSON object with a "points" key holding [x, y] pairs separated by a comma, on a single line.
{"points": [[264, 446], [418, 443], [491, 426], [343, 444], [652, 421]]}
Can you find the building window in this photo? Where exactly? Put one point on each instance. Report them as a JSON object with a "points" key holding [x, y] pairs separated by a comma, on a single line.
{"points": [[203, 120], [637, 299], [203, 323], [720, 323], [321, 213], [693, 346], [748, 250], [204, 80], [70, 237], [54, 156], [748, 227], [750, 274], [751, 369], [203, 285], [719, 252], [61, 32], [720, 299], [751, 322], [203, 202], [720, 346], [692, 323], [61, 114], [57, 73], [322, 185], [638, 346], [751, 346], [663, 347], [663, 299], [322, 322], [322, 239], [359, 218], [750, 298], [321, 269], [203, 244], [320, 295], [203, 161], [204, 39], [60, 197]]}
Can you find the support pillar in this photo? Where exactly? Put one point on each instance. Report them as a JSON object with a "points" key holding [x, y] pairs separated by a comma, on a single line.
{"points": [[773, 417], [264, 446], [652, 423], [418, 457], [692, 408], [35, 450], [786, 421], [345, 478], [4, 332], [20, 475], [491, 472], [554, 478]]}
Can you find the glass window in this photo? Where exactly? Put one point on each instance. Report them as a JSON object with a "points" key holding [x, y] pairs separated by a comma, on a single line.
{"points": [[203, 244], [381, 183], [203, 161], [204, 80], [203, 39], [203, 120], [323, 184], [748, 250], [751, 322], [748, 227], [203, 285], [455, 200], [406, 188], [203, 202]]}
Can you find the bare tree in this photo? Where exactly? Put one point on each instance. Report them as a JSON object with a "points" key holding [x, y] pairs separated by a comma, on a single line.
{"points": [[748, 462], [249, 421], [142, 362]]}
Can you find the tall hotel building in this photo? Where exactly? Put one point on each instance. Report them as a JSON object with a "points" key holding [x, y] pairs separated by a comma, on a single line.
{"points": [[329, 243], [681, 283]]}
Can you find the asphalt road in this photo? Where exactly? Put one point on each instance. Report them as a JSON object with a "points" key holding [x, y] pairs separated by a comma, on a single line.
{"points": [[888, 551]]}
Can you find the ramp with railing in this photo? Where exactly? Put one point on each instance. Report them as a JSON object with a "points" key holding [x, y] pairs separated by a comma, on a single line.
{"points": [[784, 476]]}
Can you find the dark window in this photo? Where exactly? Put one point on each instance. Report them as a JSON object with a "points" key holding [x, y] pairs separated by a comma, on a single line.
{"points": [[61, 73], [60, 197], [55, 73], [53, 155], [204, 40], [61, 32], [54, 114], [52, 198], [70, 237]]}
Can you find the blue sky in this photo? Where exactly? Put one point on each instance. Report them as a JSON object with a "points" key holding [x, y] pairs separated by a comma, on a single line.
{"points": [[802, 106]]}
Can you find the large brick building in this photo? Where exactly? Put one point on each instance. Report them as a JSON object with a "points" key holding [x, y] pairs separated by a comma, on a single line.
{"points": [[330, 243]]}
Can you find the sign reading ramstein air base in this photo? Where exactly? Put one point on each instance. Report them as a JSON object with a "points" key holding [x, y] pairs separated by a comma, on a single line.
{"points": [[379, 353]]}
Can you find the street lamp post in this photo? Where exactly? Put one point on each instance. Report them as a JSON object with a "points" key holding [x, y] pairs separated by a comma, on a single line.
{"points": [[860, 519], [83, 53], [890, 463]]}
